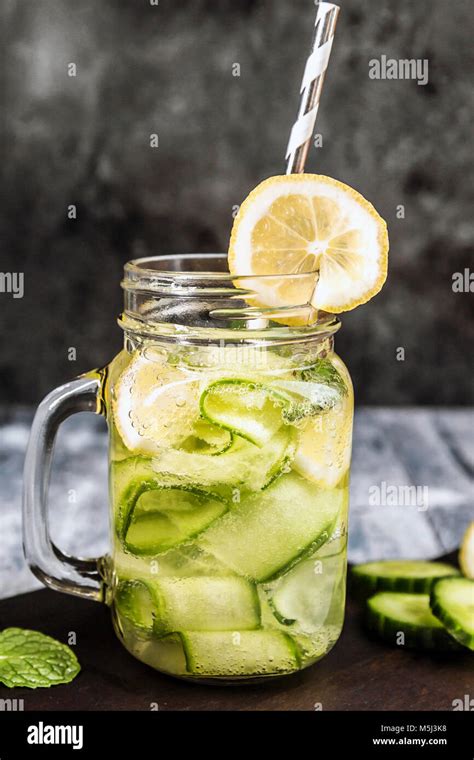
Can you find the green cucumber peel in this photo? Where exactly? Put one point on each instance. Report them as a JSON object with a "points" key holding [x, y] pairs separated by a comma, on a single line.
{"points": [[392, 614], [408, 576], [143, 480], [452, 602], [244, 422]]}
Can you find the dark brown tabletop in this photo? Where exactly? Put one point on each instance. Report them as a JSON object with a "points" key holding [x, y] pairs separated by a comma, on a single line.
{"points": [[358, 674]]}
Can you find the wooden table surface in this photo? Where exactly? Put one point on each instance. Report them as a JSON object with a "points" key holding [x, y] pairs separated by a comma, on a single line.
{"points": [[358, 674]]}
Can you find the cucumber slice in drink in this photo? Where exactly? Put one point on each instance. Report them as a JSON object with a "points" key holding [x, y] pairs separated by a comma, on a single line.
{"points": [[268, 532], [452, 601], [390, 614], [207, 438], [154, 516], [302, 598], [125, 476], [206, 604], [135, 600], [410, 576], [176, 604], [165, 653], [251, 410], [239, 653], [243, 466], [163, 517], [183, 561]]}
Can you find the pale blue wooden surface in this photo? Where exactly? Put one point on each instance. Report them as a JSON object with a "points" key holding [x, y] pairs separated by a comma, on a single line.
{"points": [[431, 448]]}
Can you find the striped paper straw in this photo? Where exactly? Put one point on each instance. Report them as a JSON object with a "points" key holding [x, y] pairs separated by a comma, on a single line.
{"points": [[311, 87]]}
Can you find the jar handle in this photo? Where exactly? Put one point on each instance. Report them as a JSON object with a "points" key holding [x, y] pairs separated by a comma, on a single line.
{"points": [[54, 568]]}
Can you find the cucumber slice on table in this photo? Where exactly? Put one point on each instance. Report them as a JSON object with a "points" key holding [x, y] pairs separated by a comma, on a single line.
{"points": [[153, 516], [269, 532], [239, 653], [410, 576], [242, 466], [389, 614], [303, 597], [452, 601], [175, 604], [250, 410]]}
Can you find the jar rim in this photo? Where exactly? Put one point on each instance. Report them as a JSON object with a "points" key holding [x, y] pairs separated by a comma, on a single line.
{"points": [[167, 296], [136, 268]]}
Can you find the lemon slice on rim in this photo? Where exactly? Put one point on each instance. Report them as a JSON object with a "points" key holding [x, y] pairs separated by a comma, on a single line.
{"points": [[305, 222], [154, 405], [466, 554]]}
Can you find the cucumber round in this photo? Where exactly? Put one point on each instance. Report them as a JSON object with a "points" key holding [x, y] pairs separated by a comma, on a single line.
{"points": [[390, 614], [269, 532], [243, 466], [201, 604], [250, 410], [409, 576], [239, 653], [452, 601]]}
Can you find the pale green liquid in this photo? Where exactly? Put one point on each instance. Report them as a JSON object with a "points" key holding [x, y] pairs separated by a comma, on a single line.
{"points": [[220, 603]]}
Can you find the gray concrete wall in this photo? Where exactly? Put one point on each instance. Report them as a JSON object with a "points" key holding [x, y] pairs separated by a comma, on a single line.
{"points": [[167, 69]]}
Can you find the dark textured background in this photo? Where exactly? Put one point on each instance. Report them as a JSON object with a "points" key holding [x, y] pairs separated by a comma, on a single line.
{"points": [[168, 69]]}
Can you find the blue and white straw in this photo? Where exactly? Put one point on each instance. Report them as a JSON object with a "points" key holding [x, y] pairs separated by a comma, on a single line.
{"points": [[311, 87]]}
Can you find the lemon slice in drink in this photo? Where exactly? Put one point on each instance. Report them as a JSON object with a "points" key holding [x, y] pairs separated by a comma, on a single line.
{"points": [[307, 222], [466, 554], [325, 444], [154, 404]]}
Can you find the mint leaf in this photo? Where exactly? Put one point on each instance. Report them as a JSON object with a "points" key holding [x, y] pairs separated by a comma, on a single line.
{"points": [[32, 659], [324, 372]]}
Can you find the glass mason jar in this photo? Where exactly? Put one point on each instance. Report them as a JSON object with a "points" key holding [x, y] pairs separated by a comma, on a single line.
{"points": [[230, 429]]}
